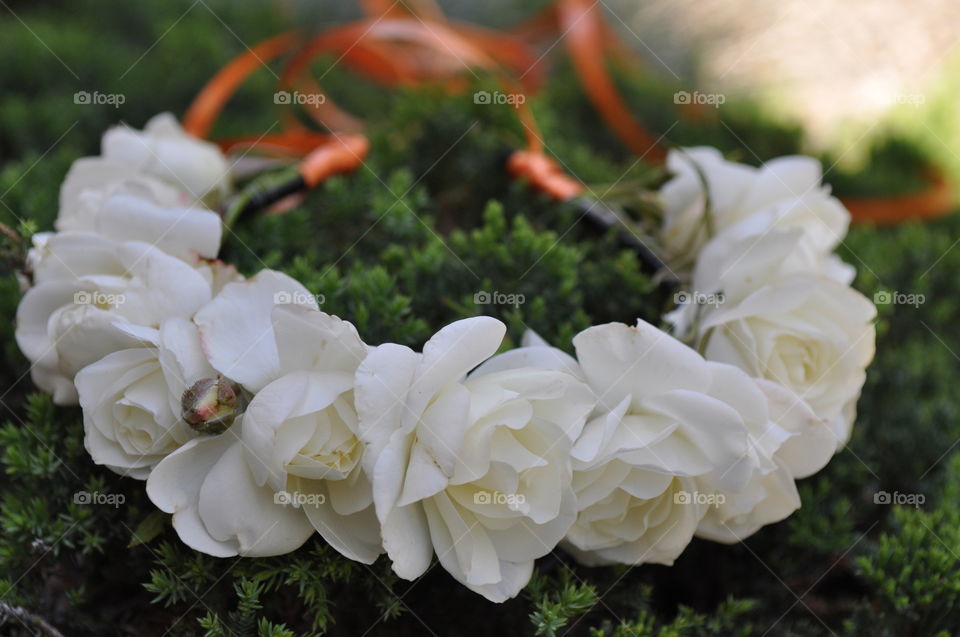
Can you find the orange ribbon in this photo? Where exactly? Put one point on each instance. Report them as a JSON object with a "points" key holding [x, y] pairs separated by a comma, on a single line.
{"points": [[413, 43]]}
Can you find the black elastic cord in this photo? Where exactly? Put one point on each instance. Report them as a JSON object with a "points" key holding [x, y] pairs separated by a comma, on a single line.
{"points": [[602, 218], [258, 196]]}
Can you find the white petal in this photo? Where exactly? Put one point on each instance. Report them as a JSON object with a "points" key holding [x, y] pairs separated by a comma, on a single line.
{"points": [[174, 487], [462, 545], [237, 331], [380, 389], [695, 448], [54, 382], [181, 355], [621, 361], [406, 539], [389, 472], [782, 178], [182, 232], [84, 334], [448, 356], [73, 255], [98, 386], [737, 265], [93, 179], [513, 578], [160, 286], [597, 434], [355, 536], [812, 444], [308, 339], [765, 500], [289, 397], [440, 433], [165, 151], [33, 316], [233, 507], [541, 357]]}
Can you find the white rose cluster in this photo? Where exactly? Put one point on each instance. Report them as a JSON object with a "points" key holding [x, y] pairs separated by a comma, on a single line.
{"points": [[136, 245], [767, 296], [257, 420]]}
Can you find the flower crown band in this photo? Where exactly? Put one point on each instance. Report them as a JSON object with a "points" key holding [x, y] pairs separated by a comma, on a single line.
{"points": [[258, 420]]}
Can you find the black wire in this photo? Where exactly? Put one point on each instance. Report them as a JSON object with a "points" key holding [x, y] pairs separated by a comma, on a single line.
{"points": [[269, 196], [602, 218]]}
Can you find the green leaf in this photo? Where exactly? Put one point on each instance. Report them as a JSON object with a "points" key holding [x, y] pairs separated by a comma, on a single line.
{"points": [[149, 528]]}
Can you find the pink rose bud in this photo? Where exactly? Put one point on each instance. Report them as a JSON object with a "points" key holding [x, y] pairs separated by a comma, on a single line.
{"points": [[210, 405]]}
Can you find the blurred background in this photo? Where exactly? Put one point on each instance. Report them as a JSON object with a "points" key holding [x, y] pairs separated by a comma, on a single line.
{"points": [[868, 86]]}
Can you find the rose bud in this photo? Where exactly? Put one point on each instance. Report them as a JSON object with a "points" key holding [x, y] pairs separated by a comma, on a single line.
{"points": [[210, 405]]}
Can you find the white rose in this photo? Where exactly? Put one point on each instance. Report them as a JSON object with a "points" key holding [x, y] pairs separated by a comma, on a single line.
{"points": [[163, 150], [785, 192], [131, 399], [474, 467], [664, 418], [93, 296], [300, 431], [133, 212], [786, 319], [298, 434], [786, 441]]}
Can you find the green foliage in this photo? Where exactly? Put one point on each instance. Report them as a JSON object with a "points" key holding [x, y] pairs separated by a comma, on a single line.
{"points": [[912, 567], [243, 621], [401, 247], [560, 604], [897, 165], [726, 621], [553, 609]]}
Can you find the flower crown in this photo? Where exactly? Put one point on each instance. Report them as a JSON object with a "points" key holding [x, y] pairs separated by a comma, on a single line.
{"points": [[258, 420]]}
